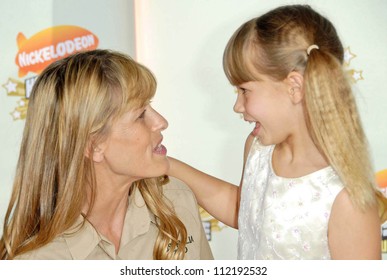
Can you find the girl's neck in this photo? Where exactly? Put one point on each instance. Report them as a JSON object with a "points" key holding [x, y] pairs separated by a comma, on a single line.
{"points": [[294, 159]]}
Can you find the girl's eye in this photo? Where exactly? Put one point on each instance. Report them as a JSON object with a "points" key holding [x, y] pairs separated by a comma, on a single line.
{"points": [[242, 90]]}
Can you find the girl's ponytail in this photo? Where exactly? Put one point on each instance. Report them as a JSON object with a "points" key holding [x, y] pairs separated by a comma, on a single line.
{"points": [[335, 125]]}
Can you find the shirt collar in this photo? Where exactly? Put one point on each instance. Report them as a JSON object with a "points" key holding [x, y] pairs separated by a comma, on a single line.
{"points": [[81, 239]]}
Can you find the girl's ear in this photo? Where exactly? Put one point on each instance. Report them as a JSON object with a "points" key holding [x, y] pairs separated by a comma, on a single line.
{"points": [[295, 83]]}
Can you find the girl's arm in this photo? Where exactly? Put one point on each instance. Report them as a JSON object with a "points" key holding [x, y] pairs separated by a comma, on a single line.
{"points": [[353, 233], [217, 197]]}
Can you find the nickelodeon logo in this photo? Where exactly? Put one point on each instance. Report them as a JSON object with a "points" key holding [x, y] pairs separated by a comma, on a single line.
{"points": [[51, 44], [381, 180]]}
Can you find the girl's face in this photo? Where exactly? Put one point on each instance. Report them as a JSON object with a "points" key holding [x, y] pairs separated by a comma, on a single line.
{"points": [[266, 103], [133, 149]]}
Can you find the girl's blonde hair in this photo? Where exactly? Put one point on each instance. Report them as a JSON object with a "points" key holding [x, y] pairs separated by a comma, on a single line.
{"points": [[73, 104], [275, 44]]}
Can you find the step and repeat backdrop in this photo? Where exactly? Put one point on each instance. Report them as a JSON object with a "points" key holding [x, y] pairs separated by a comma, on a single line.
{"points": [[182, 42]]}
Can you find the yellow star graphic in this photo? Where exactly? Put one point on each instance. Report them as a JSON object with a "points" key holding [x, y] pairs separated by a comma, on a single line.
{"points": [[348, 56], [355, 75], [14, 88]]}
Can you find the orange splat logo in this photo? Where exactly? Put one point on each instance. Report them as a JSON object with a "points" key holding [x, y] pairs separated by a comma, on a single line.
{"points": [[381, 179], [51, 44], [40, 50]]}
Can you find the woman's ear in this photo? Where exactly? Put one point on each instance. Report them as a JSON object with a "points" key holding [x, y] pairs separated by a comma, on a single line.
{"points": [[295, 82], [95, 152]]}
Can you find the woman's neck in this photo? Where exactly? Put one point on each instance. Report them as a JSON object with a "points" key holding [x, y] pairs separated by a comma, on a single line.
{"points": [[107, 214]]}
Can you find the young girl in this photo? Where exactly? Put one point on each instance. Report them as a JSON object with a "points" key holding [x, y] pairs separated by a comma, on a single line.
{"points": [[307, 190]]}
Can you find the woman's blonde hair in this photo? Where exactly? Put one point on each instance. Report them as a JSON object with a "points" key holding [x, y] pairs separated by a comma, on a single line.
{"points": [[72, 104], [276, 44]]}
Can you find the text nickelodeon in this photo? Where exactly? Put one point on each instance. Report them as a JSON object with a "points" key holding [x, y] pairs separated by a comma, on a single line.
{"points": [[51, 44]]}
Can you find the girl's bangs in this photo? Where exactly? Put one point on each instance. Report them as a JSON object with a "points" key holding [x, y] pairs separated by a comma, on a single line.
{"points": [[238, 55]]}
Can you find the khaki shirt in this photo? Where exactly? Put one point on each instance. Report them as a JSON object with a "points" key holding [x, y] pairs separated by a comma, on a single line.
{"points": [[138, 236]]}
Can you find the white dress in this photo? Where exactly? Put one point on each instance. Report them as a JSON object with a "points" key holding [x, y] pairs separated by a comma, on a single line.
{"points": [[284, 218]]}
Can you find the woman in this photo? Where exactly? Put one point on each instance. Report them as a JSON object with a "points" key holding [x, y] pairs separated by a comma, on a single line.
{"points": [[89, 182]]}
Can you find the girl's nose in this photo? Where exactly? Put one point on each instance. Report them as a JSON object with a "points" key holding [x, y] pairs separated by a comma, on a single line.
{"points": [[239, 104]]}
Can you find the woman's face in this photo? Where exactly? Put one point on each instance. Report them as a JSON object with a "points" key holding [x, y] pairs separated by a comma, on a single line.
{"points": [[133, 149]]}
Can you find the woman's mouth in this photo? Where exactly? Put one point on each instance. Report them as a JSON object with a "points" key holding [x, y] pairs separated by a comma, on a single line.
{"points": [[160, 150]]}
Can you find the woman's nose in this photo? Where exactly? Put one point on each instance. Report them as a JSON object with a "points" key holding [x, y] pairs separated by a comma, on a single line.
{"points": [[160, 123]]}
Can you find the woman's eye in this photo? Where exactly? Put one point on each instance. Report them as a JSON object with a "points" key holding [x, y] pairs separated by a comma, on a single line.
{"points": [[142, 115]]}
